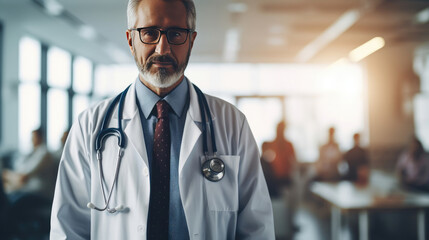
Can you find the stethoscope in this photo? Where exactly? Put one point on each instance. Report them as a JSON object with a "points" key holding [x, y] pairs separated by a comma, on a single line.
{"points": [[213, 168]]}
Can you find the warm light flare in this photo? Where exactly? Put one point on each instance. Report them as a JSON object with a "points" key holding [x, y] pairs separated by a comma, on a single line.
{"points": [[366, 49]]}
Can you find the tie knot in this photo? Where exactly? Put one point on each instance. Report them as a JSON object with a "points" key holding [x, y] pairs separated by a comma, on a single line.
{"points": [[162, 109]]}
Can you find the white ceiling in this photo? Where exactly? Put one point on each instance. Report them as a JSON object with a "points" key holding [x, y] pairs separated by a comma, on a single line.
{"points": [[267, 30]]}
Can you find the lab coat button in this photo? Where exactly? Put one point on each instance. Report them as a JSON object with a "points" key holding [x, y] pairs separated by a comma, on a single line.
{"points": [[145, 172], [140, 228]]}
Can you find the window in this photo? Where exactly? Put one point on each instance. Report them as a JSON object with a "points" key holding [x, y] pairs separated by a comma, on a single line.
{"points": [[59, 62], [29, 113], [57, 120], [82, 85], [82, 75], [29, 60], [58, 83], [54, 87], [80, 103], [29, 93]]}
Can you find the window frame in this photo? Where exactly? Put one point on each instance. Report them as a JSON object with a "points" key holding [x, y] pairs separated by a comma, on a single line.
{"points": [[1, 79], [45, 87]]}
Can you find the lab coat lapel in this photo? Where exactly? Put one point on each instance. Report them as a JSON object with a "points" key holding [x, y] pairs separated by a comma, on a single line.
{"points": [[131, 124], [191, 131]]}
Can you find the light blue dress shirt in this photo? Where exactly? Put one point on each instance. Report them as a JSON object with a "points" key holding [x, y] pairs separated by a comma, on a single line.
{"points": [[178, 99]]}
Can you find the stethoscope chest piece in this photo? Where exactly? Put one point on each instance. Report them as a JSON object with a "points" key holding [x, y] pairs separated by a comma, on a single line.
{"points": [[213, 169]]}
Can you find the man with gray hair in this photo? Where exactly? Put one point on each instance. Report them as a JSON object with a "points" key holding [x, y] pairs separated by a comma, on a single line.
{"points": [[188, 165]]}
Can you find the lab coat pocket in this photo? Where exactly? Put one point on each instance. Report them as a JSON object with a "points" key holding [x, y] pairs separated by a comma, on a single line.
{"points": [[223, 195]]}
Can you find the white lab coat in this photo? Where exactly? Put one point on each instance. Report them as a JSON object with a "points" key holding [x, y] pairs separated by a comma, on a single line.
{"points": [[237, 207]]}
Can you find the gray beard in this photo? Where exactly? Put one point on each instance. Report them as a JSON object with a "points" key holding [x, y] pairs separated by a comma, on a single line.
{"points": [[161, 79]]}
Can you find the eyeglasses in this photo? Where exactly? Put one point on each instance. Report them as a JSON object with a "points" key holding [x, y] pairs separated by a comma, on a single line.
{"points": [[151, 35]]}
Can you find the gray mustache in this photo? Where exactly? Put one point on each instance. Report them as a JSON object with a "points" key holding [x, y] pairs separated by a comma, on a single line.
{"points": [[162, 58]]}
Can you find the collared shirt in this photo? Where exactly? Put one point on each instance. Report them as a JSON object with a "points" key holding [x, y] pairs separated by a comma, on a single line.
{"points": [[178, 99]]}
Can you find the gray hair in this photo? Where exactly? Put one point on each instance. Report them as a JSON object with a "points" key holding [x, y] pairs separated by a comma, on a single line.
{"points": [[189, 6]]}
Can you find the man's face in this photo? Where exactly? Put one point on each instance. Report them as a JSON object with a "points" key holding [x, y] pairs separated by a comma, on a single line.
{"points": [[161, 65]]}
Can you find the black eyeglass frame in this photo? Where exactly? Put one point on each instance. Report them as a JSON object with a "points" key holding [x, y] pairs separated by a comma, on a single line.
{"points": [[188, 30]]}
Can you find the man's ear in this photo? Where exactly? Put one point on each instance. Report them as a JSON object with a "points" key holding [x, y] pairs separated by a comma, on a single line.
{"points": [[192, 38], [130, 40]]}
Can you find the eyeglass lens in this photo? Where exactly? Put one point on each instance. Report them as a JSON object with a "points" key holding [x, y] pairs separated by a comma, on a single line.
{"points": [[174, 36]]}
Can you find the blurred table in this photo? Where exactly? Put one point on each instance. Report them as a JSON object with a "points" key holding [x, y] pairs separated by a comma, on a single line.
{"points": [[381, 193]]}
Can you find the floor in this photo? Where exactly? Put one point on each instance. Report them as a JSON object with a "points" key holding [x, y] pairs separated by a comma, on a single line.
{"points": [[309, 223]]}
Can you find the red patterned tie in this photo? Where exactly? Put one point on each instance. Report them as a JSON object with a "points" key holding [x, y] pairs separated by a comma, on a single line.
{"points": [[160, 176]]}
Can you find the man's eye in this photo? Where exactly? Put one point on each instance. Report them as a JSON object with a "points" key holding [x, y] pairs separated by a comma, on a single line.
{"points": [[175, 34], [149, 33]]}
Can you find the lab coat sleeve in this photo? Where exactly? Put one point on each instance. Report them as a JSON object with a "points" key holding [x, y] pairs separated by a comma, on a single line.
{"points": [[255, 216], [70, 218]]}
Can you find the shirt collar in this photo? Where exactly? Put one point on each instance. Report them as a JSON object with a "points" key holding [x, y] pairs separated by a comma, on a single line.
{"points": [[176, 98]]}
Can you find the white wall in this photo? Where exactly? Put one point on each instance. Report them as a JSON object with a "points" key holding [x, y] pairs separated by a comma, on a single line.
{"points": [[391, 83]]}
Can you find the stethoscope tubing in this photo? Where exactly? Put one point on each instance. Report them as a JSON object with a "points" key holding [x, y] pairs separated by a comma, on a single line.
{"points": [[114, 181], [101, 137], [211, 164], [204, 109], [105, 132]]}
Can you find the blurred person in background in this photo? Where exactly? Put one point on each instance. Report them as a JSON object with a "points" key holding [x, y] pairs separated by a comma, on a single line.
{"points": [[279, 165], [329, 158], [32, 173], [413, 166], [280, 154], [357, 160], [29, 184]]}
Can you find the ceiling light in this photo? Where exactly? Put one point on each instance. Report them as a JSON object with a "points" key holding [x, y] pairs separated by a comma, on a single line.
{"points": [[53, 7], [334, 31], [237, 7], [340, 62], [87, 32], [366, 49], [422, 16]]}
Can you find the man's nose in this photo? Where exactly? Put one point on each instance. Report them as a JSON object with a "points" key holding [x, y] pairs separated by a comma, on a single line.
{"points": [[163, 47]]}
